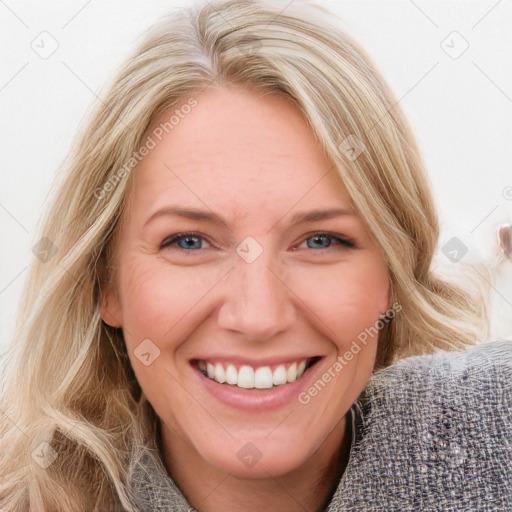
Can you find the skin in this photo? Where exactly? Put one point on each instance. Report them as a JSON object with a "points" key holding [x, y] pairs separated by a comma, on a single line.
{"points": [[253, 161]]}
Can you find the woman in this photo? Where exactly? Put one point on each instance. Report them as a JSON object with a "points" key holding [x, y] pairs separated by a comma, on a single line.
{"points": [[238, 310]]}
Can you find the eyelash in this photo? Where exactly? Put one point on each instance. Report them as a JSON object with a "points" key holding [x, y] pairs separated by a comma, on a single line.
{"points": [[344, 242]]}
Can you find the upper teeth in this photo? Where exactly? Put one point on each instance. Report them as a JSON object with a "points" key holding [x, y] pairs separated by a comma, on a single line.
{"points": [[248, 377]]}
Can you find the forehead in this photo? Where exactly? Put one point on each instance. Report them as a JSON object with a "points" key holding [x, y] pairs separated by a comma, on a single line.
{"points": [[236, 150]]}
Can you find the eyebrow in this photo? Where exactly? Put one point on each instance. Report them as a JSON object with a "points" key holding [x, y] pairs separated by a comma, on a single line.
{"points": [[205, 215]]}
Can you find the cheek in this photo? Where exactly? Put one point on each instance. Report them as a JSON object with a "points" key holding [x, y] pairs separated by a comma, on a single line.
{"points": [[347, 299], [159, 301]]}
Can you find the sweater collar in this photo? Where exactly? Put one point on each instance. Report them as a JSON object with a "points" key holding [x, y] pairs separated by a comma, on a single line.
{"points": [[153, 490]]}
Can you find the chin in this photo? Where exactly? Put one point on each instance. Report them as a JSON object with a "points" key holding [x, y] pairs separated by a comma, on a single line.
{"points": [[259, 457]]}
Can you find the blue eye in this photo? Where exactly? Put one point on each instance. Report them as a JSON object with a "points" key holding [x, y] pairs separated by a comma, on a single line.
{"points": [[324, 241], [194, 241], [185, 241]]}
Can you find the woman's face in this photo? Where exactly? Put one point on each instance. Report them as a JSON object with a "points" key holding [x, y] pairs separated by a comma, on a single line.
{"points": [[276, 270]]}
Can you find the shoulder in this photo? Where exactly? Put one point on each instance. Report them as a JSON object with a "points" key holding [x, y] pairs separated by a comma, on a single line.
{"points": [[484, 367], [435, 429], [472, 387]]}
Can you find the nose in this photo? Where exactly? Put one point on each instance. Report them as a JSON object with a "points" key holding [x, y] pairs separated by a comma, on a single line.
{"points": [[258, 304]]}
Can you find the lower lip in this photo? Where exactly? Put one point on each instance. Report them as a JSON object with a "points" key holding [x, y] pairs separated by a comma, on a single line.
{"points": [[258, 399]]}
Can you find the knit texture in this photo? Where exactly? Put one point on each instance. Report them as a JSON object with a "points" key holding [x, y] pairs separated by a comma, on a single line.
{"points": [[431, 433]]}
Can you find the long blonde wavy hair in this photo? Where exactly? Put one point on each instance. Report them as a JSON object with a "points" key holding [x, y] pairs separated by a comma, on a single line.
{"points": [[69, 389]]}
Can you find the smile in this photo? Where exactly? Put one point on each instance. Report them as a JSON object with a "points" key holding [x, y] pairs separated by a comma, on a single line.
{"points": [[250, 377]]}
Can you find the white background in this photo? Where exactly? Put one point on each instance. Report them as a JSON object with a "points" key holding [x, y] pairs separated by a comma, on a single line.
{"points": [[460, 110]]}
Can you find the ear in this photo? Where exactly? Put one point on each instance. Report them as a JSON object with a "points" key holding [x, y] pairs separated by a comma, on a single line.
{"points": [[110, 308]]}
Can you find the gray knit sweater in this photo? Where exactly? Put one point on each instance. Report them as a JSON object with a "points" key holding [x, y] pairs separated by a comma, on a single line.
{"points": [[430, 433]]}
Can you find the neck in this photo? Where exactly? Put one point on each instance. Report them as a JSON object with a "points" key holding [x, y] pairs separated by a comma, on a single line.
{"points": [[309, 487]]}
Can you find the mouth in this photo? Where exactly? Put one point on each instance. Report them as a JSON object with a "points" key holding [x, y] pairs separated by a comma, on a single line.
{"points": [[255, 377]]}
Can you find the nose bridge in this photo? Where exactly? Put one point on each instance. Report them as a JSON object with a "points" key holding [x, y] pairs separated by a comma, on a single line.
{"points": [[257, 302]]}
